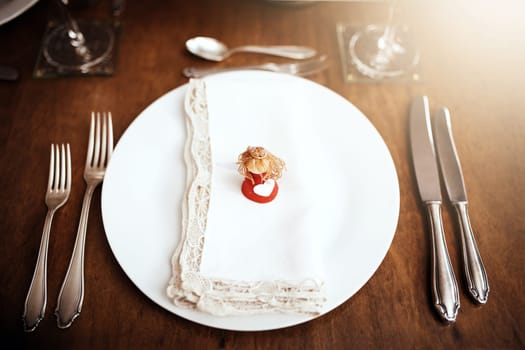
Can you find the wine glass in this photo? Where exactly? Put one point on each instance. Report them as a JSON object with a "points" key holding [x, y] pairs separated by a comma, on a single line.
{"points": [[380, 52], [77, 46]]}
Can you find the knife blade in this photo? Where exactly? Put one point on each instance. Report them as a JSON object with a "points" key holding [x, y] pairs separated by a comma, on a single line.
{"points": [[475, 273], [444, 286], [8, 73]]}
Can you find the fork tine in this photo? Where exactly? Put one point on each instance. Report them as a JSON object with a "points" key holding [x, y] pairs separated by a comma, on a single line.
{"points": [[68, 168], [57, 167], [62, 167], [104, 139], [110, 136], [96, 155], [51, 168], [91, 142]]}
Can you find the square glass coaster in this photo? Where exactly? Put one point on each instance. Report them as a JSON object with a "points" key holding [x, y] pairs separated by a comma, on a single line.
{"points": [[44, 69], [350, 72]]}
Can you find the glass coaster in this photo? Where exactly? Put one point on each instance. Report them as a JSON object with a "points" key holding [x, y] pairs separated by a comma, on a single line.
{"points": [[351, 74], [45, 68]]}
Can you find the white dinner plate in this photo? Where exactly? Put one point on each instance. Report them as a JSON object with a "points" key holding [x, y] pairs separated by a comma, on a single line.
{"points": [[9, 9], [145, 181]]}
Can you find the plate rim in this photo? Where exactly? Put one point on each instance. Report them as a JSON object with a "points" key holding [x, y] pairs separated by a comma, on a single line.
{"points": [[23, 6]]}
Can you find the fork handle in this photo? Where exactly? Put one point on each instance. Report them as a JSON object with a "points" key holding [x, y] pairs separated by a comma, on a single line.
{"points": [[71, 293], [35, 304], [194, 72]]}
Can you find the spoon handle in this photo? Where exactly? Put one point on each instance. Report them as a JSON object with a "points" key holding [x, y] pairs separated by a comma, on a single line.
{"points": [[295, 52]]}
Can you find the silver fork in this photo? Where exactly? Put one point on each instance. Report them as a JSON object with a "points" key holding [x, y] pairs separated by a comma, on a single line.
{"points": [[58, 189], [297, 68], [100, 148]]}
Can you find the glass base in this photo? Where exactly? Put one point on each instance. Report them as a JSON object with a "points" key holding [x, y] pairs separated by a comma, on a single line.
{"points": [[365, 60], [58, 57]]}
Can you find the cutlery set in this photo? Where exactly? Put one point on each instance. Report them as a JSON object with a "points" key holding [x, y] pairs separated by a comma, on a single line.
{"points": [[422, 136], [213, 50], [69, 304]]}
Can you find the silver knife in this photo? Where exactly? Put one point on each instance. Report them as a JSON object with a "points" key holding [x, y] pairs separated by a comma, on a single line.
{"points": [[444, 285], [8, 73], [475, 274]]}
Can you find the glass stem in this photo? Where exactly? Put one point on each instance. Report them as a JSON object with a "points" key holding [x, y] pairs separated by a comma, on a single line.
{"points": [[76, 38], [389, 33]]}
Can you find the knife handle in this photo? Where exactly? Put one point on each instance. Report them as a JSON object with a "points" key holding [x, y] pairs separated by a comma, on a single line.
{"points": [[475, 274], [444, 285]]}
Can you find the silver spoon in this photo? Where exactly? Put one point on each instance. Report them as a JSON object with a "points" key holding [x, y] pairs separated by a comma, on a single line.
{"points": [[214, 50]]}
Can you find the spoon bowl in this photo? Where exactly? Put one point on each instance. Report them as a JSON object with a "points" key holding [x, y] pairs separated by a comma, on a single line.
{"points": [[213, 50]]}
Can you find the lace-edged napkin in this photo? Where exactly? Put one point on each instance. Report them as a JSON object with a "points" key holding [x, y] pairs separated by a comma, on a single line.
{"points": [[236, 256]]}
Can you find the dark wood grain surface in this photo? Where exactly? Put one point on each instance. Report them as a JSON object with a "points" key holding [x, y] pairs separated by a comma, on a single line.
{"points": [[472, 58]]}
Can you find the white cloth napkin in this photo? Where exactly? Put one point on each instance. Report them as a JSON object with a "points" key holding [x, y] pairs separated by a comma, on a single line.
{"points": [[237, 256]]}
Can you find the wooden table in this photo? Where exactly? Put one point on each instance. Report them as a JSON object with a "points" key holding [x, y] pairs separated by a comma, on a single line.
{"points": [[472, 59]]}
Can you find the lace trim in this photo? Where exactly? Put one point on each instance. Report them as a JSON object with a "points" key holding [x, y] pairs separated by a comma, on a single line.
{"points": [[187, 286]]}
